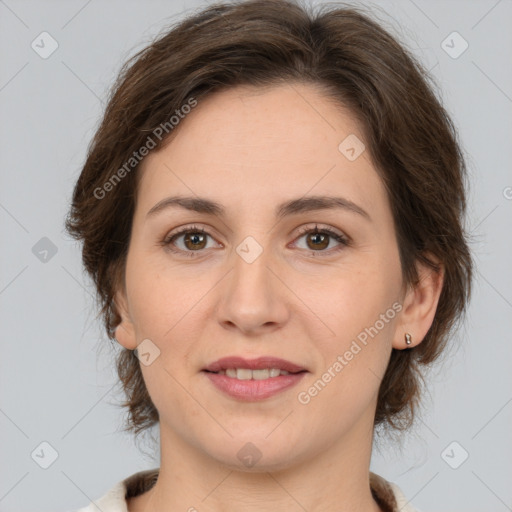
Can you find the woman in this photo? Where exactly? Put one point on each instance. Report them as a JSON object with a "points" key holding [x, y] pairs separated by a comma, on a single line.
{"points": [[271, 211]]}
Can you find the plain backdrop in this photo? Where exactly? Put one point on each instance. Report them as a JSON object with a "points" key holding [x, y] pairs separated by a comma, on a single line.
{"points": [[58, 388]]}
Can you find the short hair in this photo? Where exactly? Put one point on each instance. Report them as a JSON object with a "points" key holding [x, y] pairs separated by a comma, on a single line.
{"points": [[410, 138]]}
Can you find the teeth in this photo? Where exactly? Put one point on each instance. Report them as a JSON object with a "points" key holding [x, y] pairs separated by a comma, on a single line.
{"points": [[247, 374], [259, 374], [243, 374]]}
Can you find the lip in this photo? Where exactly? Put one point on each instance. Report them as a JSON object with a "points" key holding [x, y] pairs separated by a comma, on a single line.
{"points": [[254, 390], [259, 363]]}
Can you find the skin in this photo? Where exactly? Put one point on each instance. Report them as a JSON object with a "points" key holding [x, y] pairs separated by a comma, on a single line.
{"points": [[251, 149]]}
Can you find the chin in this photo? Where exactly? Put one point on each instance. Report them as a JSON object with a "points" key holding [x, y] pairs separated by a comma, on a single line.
{"points": [[264, 464], [257, 456]]}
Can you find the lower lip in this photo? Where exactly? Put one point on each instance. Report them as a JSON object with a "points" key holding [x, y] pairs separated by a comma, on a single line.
{"points": [[252, 390]]}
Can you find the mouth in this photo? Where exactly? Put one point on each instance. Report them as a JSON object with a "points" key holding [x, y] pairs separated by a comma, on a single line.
{"points": [[253, 379], [261, 368], [248, 374]]}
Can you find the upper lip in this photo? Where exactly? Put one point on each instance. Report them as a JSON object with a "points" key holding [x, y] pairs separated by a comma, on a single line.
{"points": [[259, 363]]}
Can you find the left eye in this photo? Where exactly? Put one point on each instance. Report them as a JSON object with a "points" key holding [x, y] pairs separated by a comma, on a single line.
{"points": [[195, 240], [319, 239]]}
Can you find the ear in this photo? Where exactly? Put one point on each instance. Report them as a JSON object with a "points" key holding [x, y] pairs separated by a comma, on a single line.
{"points": [[419, 305], [125, 331]]}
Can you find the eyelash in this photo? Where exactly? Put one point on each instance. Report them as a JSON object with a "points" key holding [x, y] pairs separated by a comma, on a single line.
{"points": [[343, 241]]}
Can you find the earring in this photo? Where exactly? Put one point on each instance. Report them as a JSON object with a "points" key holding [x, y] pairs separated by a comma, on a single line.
{"points": [[408, 339]]}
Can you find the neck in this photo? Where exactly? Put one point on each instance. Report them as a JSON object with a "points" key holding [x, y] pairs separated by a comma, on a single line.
{"points": [[336, 480]]}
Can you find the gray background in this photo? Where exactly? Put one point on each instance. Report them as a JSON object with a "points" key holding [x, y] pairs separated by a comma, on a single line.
{"points": [[58, 387]]}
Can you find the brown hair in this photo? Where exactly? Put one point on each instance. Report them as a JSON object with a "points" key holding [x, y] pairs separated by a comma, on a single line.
{"points": [[409, 135]]}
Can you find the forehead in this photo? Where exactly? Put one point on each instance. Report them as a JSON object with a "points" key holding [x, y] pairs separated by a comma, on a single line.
{"points": [[287, 120], [248, 145]]}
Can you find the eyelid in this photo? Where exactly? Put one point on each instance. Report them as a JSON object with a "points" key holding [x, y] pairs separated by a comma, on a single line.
{"points": [[184, 230], [189, 228], [315, 226], [342, 239]]}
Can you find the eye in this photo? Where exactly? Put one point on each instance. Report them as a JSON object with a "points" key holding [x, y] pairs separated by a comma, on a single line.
{"points": [[318, 240], [194, 239]]}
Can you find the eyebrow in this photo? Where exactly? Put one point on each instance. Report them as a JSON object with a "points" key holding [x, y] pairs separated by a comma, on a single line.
{"points": [[286, 209]]}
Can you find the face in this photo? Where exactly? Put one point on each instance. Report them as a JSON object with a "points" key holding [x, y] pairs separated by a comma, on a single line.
{"points": [[317, 286]]}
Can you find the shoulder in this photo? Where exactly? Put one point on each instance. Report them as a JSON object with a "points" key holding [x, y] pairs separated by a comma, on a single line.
{"points": [[403, 504], [114, 500], [389, 496]]}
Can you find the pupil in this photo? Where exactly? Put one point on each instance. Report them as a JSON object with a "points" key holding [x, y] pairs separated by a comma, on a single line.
{"points": [[195, 238], [317, 242]]}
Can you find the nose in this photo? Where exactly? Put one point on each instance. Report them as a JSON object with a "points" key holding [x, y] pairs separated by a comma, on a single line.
{"points": [[254, 298]]}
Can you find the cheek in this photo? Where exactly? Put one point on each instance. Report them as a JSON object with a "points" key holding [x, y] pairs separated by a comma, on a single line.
{"points": [[169, 311], [361, 311], [355, 300], [159, 297], [353, 365]]}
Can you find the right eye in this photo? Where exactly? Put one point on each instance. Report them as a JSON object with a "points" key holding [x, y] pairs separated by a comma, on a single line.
{"points": [[194, 239]]}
